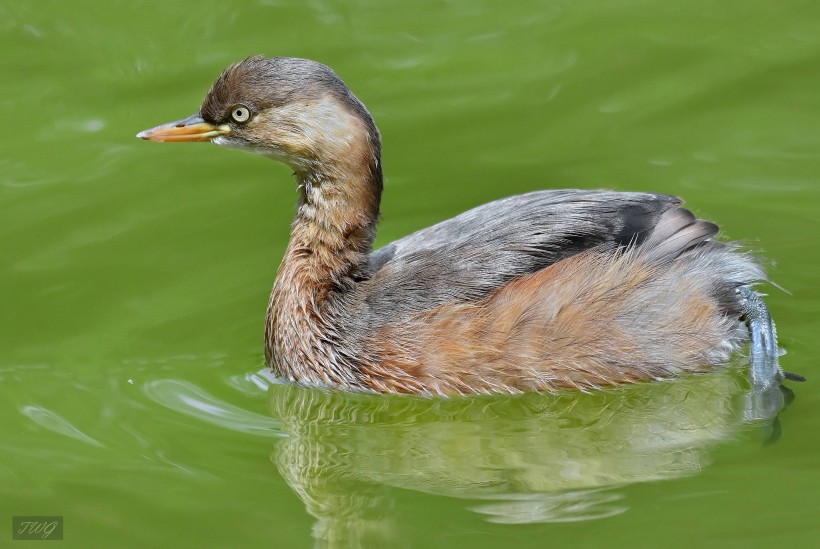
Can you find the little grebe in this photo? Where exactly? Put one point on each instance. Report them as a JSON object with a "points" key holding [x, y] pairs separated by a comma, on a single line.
{"points": [[543, 291]]}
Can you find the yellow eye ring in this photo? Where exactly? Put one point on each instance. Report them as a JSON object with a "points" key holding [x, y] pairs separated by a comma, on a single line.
{"points": [[240, 113]]}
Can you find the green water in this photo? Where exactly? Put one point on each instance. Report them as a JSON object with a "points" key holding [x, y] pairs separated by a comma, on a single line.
{"points": [[134, 277]]}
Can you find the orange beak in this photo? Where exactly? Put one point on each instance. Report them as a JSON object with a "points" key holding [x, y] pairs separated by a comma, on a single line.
{"points": [[193, 128]]}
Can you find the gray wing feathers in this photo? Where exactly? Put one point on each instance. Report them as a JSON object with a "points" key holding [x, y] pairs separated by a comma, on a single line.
{"points": [[474, 253], [677, 231]]}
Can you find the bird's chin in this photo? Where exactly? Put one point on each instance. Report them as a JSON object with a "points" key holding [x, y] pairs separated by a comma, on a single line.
{"points": [[273, 153], [232, 143]]}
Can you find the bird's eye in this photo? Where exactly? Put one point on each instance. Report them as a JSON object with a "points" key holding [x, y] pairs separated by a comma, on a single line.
{"points": [[241, 113]]}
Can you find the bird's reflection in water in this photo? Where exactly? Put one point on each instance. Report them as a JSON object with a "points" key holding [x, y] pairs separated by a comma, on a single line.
{"points": [[530, 458]]}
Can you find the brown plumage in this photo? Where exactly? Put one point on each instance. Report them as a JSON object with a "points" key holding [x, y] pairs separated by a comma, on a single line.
{"points": [[544, 291]]}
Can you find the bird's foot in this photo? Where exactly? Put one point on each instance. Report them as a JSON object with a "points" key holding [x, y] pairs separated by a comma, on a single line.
{"points": [[764, 369]]}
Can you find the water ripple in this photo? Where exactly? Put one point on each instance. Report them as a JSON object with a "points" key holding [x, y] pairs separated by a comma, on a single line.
{"points": [[54, 422], [193, 401]]}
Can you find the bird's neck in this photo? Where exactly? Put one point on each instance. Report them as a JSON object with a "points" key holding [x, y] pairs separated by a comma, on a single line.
{"points": [[335, 222], [326, 258]]}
